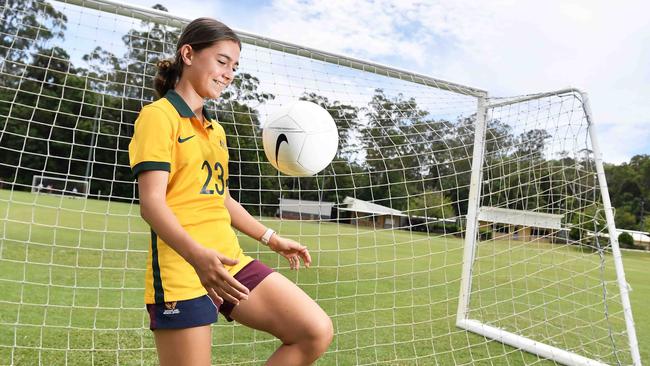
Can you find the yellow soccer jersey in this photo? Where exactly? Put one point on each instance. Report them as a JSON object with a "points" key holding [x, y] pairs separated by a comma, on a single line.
{"points": [[169, 137]]}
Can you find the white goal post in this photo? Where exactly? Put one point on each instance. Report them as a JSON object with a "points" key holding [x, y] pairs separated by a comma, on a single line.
{"points": [[533, 218], [452, 227]]}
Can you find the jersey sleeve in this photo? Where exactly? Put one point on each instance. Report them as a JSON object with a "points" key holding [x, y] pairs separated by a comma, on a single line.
{"points": [[151, 145]]}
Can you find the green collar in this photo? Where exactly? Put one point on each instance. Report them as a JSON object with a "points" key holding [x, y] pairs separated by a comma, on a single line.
{"points": [[182, 108]]}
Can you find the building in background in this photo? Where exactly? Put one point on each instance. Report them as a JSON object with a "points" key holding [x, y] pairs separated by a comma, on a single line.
{"points": [[363, 213], [292, 209], [508, 224]]}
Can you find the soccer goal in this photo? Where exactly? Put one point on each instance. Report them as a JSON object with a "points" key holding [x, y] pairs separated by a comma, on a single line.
{"points": [[452, 227]]}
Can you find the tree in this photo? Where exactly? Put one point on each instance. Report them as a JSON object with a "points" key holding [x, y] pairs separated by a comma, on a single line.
{"points": [[26, 24], [398, 140], [646, 224], [121, 85], [459, 147], [531, 144], [432, 205], [629, 188], [45, 122], [625, 219]]}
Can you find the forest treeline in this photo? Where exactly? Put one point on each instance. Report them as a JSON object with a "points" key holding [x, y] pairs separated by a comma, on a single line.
{"points": [[74, 121]]}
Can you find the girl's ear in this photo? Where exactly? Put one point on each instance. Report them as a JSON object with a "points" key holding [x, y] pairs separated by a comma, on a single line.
{"points": [[186, 54]]}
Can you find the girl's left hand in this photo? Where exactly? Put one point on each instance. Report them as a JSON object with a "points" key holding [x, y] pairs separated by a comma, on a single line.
{"points": [[291, 250]]}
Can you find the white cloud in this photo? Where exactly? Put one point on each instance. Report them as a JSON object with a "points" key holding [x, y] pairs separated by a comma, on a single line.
{"points": [[506, 46]]}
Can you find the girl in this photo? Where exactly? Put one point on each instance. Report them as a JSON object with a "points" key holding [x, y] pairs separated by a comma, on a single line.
{"points": [[195, 265]]}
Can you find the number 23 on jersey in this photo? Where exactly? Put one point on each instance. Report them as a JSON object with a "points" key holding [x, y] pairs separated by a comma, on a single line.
{"points": [[220, 184]]}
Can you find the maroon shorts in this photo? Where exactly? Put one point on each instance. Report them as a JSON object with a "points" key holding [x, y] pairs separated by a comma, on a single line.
{"points": [[250, 276], [201, 310]]}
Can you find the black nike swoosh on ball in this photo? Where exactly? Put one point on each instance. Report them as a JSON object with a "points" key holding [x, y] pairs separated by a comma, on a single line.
{"points": [[281, 138], [181, 140]]}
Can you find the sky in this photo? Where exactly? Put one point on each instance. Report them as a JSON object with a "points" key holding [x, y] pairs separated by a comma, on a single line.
{"points": [[506, 47]]}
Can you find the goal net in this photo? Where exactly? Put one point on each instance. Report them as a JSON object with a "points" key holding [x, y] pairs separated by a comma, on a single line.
{"points": [[539, 273], [451, 228]]}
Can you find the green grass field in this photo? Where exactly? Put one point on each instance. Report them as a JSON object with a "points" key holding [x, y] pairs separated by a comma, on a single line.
{"points": [[71, 276]]}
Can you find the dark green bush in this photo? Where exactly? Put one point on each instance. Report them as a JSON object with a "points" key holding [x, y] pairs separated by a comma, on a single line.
{"points": [[625, 240]]}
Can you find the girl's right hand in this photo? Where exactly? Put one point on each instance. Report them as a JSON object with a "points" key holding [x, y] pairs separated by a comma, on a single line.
{"points": [[209, 266]]}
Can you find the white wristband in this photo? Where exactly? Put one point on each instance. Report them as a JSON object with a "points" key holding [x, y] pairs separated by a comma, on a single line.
{"points": [[267, 236]]}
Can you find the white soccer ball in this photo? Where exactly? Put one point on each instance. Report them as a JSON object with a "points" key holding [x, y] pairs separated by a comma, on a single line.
{"points": [[300, 139]]}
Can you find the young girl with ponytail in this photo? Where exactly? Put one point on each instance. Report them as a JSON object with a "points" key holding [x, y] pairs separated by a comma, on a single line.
{"points": [[195, 266]]}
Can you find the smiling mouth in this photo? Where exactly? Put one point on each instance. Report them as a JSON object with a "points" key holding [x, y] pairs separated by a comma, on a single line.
{"points": [[220, 83]]}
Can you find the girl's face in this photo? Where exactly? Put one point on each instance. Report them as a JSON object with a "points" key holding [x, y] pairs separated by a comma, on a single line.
{"points": [[211, 69]]}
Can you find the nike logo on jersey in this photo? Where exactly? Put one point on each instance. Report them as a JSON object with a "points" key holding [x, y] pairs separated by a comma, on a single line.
{"points": [[281, 138], [181, 140]]}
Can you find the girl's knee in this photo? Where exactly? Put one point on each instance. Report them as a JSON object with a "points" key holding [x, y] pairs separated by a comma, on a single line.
{"points": [[320, 334]]}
